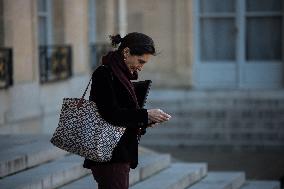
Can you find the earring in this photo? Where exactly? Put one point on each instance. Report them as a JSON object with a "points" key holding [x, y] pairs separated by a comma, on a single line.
{"points": [[124, 59]]}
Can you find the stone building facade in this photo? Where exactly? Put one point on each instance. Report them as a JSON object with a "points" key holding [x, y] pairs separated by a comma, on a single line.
{"points": [[30, 104], [202, 44]]}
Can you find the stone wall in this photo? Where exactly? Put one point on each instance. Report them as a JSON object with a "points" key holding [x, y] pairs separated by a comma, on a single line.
{"points": [[169, 23], [29, 106]]}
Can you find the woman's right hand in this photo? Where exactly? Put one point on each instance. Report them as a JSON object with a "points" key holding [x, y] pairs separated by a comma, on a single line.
{"points": [[158, 116]]}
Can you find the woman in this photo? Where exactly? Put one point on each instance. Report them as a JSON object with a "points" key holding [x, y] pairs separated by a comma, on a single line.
{"points": [[114, 95]]}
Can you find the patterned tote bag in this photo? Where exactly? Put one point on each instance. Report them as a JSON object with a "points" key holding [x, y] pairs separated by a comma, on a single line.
{"points": [[82, 131]]}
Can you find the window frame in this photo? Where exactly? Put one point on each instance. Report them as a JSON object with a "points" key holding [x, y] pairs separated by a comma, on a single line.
{"points": [[48, 15]]}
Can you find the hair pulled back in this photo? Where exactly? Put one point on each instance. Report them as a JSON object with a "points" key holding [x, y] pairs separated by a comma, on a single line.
{"points": [[138, 43]]}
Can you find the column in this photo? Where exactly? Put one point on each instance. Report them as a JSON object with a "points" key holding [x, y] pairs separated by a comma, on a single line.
{"points": [[20, 34], [76, 33]]}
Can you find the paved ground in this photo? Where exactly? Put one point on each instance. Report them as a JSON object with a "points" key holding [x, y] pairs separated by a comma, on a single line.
{"points": [[257, 165]]}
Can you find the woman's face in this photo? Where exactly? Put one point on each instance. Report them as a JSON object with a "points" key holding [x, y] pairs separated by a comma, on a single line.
{"points": [[135, 62]]}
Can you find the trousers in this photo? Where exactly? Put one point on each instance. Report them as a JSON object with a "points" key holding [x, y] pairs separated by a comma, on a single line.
{"points": [[111, 175]]}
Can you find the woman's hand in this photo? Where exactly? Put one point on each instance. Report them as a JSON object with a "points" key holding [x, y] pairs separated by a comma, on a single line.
{"points": [[158, 116], [152, 125]]}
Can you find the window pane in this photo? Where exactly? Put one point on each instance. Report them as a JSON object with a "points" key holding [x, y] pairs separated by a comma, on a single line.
{"points": [[207, 6], [218, 39], [42, 35], [264, 38], [264, 5], [1, 24], [41, 5]]}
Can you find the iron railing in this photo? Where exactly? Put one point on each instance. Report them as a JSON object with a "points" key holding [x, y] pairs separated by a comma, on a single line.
{"points": [[6, 67], [97, 51], [55, 62]]}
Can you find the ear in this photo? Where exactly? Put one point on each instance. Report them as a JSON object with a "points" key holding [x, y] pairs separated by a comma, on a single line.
{"points": [[126, 51]]}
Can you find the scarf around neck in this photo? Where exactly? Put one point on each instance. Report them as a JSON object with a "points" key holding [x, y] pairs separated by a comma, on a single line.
{"points": [[118, 67]]}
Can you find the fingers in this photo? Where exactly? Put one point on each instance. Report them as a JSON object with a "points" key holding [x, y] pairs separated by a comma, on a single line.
{"points": [[167, 116], [153, 125], [158, 116], [162, 117]]}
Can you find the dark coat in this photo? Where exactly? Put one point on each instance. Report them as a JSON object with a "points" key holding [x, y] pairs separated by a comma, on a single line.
{"points": [[115, 105]]}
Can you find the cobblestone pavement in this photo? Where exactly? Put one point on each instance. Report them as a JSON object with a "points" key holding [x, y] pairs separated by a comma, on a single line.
{"points": [[257, 165]]}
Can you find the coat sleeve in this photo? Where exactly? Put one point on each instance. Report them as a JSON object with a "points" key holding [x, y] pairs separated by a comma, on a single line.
{"points": [[103, 93]]}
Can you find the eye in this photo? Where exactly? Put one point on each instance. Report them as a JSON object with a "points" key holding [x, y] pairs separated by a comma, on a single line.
{"points": [[141, 61]]}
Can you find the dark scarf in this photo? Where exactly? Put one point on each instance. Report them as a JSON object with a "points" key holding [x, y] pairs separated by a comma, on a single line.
{"points": [[115, 61]]}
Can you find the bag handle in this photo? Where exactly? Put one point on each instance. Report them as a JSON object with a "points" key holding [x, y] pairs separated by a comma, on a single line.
{"points": [[86, 89], [82, 98]]}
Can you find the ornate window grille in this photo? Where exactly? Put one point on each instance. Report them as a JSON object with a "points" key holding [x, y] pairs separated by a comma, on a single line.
{"points": [[97, 51], [6, 68], [55, 63]]}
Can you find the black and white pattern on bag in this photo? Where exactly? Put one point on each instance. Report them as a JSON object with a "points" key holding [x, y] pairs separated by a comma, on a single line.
{"points": [[81, 130]]}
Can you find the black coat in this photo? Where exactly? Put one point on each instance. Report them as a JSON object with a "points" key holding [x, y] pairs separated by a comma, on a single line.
{"points": [[115, 105]]}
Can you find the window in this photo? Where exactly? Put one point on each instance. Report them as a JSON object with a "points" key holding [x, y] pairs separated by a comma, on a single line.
{"points": [[1, 24], [218, 36], [6, 62], [239, 43], [55, 60], [264, 30], [55, 63], [6, 78], [97, 51], [223, 21], [44, 22]]}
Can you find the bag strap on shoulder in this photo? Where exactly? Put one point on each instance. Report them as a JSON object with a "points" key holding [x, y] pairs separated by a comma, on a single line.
{"points": [[91, 80]]}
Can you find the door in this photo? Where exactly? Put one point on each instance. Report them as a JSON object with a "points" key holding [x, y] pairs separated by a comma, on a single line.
{"points": [[239, 44]]}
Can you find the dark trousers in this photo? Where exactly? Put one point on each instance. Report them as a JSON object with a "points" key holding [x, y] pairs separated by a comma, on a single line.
{"points": [[112, 176]]}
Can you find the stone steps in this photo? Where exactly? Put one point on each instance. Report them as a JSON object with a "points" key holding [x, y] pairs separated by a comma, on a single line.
{"points": [[48, 175], [235, 138], [216, 104], [261, 185], [216, 101], [176, 94], [193, 121], [221, 144], [220, 125], [214, 135], [24, 152], [236, 118], [155, 170], [42, 165], [148, 165], [221, 180], [177, 176], [233, 113], [185, 131]]}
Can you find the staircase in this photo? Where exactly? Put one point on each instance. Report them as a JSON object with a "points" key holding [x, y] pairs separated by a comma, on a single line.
{"points": [[31, 162], [221, 119]]}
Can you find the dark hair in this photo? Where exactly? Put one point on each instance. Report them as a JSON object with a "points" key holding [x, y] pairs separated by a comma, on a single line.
{"points": [[138, 43]]}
